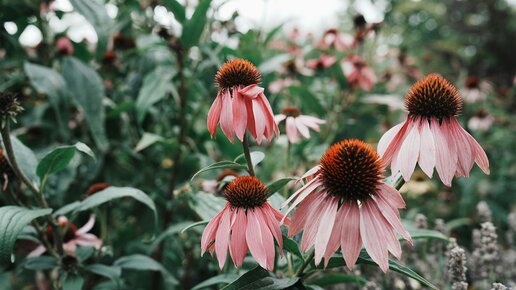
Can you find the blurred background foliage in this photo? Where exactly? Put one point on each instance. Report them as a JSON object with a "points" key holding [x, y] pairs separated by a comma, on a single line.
{"points": [[139, 97]]}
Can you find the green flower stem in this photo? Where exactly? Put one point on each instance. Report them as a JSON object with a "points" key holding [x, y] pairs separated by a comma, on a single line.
{"points": [[6, 138], [305, 264], [247, 154]]}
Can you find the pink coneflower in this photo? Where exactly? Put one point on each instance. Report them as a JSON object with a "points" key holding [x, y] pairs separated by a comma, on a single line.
{"points": [[345, 204], [481, 121], [247, 221], [475, 90], [358, 73], [431, 135], [241, 104], [322, 62], [64, 46], [333, 39], [72, 238], [297, 124]]}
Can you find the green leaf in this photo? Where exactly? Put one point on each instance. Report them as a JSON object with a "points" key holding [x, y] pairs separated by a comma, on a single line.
{"points": [[207, 205], [114, 192], [171, 230], [59, 158], [216, 281], [220, 165], [110, 272], [256, 158], [72, 281], [193, 28], [332, 279], [87, 90], [427, 234], [458, 222], [176, 8], [25, 159], [147, 140], [279, 184], [155, 87], [194, 225], [12, 221], [260, 279], [96, 14], [144, 263], [363, 258], [41, 263], [67, 208], [291, 246], [47, 81]]}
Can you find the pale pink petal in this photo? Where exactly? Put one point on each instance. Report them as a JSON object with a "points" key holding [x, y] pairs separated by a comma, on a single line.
{"points": [[222, 237], [302, 212], [311, 120], [239, 114], [446, 156], [269, 114], [309, 186], [409, 151], [88, 226], [291, 130], [391, 195], [238, 244], [70, 248], [325, 228], [393, 147], [88, 240], [480, 154], [214, 114], [226, 116], [267, 238], [251, 126], [302, 128], [279, 118], [312, 227], [208, 236], [259, 119], [312, 171], [308, 189], [371, 231], [426, 149], [350, 239], [251, 91], [393, 245], [38, 251], [334, 241], [391, 215], [387, 138], [272, 223], [255, 240], [465, 156]]}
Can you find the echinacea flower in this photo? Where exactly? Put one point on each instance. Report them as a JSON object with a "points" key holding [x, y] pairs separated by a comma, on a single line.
{"points": [[481, 121], [334, 39], [247, 221], [358, 73], [324, 61], [72, 238], [431, 135], [297, 124], [240, 103], [346, 204]]}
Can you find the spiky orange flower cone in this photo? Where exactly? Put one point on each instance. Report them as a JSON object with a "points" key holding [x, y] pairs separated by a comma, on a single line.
{"points": [[431, 135], [240, 104], [346, 204], [247, 221]]}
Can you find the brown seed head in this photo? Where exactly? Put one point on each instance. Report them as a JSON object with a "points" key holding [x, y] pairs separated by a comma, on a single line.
{"points": [[433, 97], [237, 72], [9, 105], [291, 112], [351, 170], [246, 192]]}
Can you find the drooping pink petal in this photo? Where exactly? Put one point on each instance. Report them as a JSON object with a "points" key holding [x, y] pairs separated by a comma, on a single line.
{"points": [[214, 114], [260, 120], [465, 158], [70, 248], [312, 171], [226, 116], [426, 149], [391, 195], [238, 244], [251, 91], [394, 145], [480, 154], [393, 245], [222, 237], [272, 223], [208, 236], [267, 238], [255, 240], [38, 251], [87, 226], [350, 237], [312, 227], [269, 114], [302, 128], [409, 151], [326, 227], [278, 118], [335, 238], [88, 239], [302, 212], [391, 215], [446, 157], [291, 130], [306, 190], [239, 114], [251, 126], [372, 234]]}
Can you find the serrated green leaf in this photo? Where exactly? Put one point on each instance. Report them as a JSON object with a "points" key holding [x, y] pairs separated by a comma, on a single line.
{"points": [[220, 165], [87, 91], [260, 279], [216, 281], [193, 28], [144, 263], [12, 221]]}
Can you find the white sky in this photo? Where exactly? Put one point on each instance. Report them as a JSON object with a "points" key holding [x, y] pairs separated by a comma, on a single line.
{"points": [[308, 15]]}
